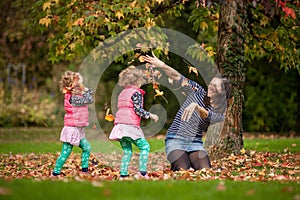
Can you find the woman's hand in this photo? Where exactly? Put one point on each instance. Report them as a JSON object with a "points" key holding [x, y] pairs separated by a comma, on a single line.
{"points": [[170, 72], [154, 61], [187, 113], [154, 117]]}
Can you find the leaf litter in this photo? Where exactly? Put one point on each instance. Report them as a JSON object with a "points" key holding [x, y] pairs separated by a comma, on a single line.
{"points": [[253, 166]]}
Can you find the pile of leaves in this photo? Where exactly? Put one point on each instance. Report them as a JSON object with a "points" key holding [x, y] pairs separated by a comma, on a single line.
{"points": [[251, 166]]}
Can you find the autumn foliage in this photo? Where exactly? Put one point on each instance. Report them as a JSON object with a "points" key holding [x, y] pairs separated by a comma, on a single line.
{"points": [[249, 166]]}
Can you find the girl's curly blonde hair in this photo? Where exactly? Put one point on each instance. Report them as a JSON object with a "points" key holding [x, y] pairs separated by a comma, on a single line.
{"points": [[131, 76], [71, 82]]}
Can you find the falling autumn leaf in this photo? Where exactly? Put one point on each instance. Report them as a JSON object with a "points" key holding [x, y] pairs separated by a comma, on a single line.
{"points": [[193, 69], [160, 94], [109, 117], [171, 81]]}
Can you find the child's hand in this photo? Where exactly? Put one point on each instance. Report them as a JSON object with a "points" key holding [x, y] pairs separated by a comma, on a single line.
{"points": [[154, 117]]}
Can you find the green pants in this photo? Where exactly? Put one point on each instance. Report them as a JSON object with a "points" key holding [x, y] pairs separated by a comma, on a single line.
{"points": [[66, 151], [144, 147]]}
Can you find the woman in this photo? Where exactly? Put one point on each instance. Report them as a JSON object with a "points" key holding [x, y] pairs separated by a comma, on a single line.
{"points": [[184, 146]]}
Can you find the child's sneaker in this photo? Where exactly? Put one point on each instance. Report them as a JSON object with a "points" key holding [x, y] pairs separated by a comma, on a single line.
{"points": [[85, 169], [124, 177], [142, 175], [55, 174]]}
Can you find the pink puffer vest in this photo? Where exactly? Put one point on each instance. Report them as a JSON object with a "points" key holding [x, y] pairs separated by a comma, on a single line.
{"points": [[126, 113], [75, 115]]}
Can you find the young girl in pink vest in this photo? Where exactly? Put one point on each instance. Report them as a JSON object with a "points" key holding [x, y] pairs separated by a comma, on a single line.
{"points": [[127, 128], [77, 98]]}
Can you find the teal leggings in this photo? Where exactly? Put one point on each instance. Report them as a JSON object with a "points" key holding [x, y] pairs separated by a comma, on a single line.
{"points": [[66, 151], [144, 147]]}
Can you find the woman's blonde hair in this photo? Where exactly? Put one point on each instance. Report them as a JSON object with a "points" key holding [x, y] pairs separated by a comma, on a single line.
{"points": [[131, 76], [71, 83]]}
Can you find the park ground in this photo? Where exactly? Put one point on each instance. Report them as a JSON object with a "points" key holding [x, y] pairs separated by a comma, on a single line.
{"points": [[267, 161]]}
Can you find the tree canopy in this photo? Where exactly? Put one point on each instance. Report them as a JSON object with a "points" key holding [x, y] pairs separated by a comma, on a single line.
{"points": [[75, 27]]}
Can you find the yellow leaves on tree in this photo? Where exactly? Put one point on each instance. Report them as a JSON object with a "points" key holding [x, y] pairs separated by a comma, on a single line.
{"points": [[264, 21], [210, 51], [159, 1], [119, 14], [48, 4], [79, 22], [203, 25], [45, 21], [149, 23]]}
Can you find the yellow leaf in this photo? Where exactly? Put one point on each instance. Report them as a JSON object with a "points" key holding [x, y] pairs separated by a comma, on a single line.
{"points": [[158, 93], [141, 59], [119, 14], [45, 21], [193, 69], [78, 22], [210, 53], [149, 23], [109, 117], [243, 151], [56, 1], [72, 46], [159, 1], [147, 8], [264, 21], [171, 81], [203, 25], [132, 5], [209, 48], [263, 36], [216, 15], [46, 5]]}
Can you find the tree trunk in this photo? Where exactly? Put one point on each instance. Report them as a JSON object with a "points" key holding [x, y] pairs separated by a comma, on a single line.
{"points": [[226, 137]]}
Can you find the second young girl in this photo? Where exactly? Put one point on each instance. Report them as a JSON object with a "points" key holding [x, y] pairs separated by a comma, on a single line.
{"points": [[127, 128]]}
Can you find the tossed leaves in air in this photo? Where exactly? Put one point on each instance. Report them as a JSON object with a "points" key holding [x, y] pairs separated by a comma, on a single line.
{"points": [[191, 68], [109, 117], [152, 75]]}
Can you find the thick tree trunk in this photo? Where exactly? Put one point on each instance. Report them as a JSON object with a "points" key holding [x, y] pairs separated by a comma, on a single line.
{"points": [[227, 136]]}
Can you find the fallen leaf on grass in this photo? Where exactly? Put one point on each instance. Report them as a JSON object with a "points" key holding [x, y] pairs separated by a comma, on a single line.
{"points": [[257, 167], [250, 192], [5, 191], [221, 186]]}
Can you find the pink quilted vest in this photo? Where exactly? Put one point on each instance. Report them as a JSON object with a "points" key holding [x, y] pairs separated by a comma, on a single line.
{"points": [[126, 113], [75, 115]]}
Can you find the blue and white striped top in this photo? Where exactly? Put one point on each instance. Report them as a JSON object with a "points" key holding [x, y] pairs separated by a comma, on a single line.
{"points": [[194, 127]]}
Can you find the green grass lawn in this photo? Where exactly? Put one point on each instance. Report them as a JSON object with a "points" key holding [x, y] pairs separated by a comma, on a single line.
{"points": [[40, 141], [28, 189], [157, 145]]}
